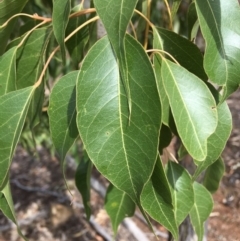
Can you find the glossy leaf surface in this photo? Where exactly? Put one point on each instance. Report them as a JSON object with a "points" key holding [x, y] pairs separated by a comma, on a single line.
{"points": [[213, 175], [222, 35], [157, 201], [118, 206], [125, 152], [201, 209], [62, 114], [11, 124], [182, 190], [61, 11], [8, 71], [190, 101]]}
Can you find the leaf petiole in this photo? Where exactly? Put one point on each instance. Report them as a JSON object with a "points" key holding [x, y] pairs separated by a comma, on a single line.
{"points": [[159, 52], [39, 81], [143, 16], [169, 13], [82, 12], [34, 16], [29, 32]]}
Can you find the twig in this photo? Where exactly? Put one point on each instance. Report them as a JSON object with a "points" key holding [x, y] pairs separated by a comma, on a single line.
{"points": [[98, 187], [99, 229], [169, 13], [39, 81], [24, 222], [134, 229]]}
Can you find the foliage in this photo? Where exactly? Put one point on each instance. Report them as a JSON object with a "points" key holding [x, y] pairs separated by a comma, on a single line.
{"points": [[126, 94]]}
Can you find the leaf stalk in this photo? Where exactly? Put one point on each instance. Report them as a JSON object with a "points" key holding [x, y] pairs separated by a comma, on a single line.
{"points": [[39, 81]]}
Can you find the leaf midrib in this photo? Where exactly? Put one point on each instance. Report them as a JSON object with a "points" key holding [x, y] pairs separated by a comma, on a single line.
{"points": [[155, 196], [184, 106], [9, 71], [122, 136], [220, 39], [119, 209], [14, 136], [174, 193]]}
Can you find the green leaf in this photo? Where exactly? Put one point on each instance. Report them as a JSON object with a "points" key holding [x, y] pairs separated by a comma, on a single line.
{"points": [[35, 108], [13, 109], [115, 15], [190, 101], [184, 51], [28, 25], [156, 199], [165, 137], [123, 151], [60, 15], [192, 18], [217, 141], [7, 207], [8, 71], [157, 62], [141, 21], [182, 190], [76, 44], [174, 8], [201, 209], [30, 58], [62, 114], [166, 111], [92, 27], [6, 202], [118, 206], [8, 8], [82, 180], [214, 175], [222, 35]]}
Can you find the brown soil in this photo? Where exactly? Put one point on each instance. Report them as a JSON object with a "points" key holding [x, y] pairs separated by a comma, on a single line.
{"points": [[46, 211], [224, 224]]}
